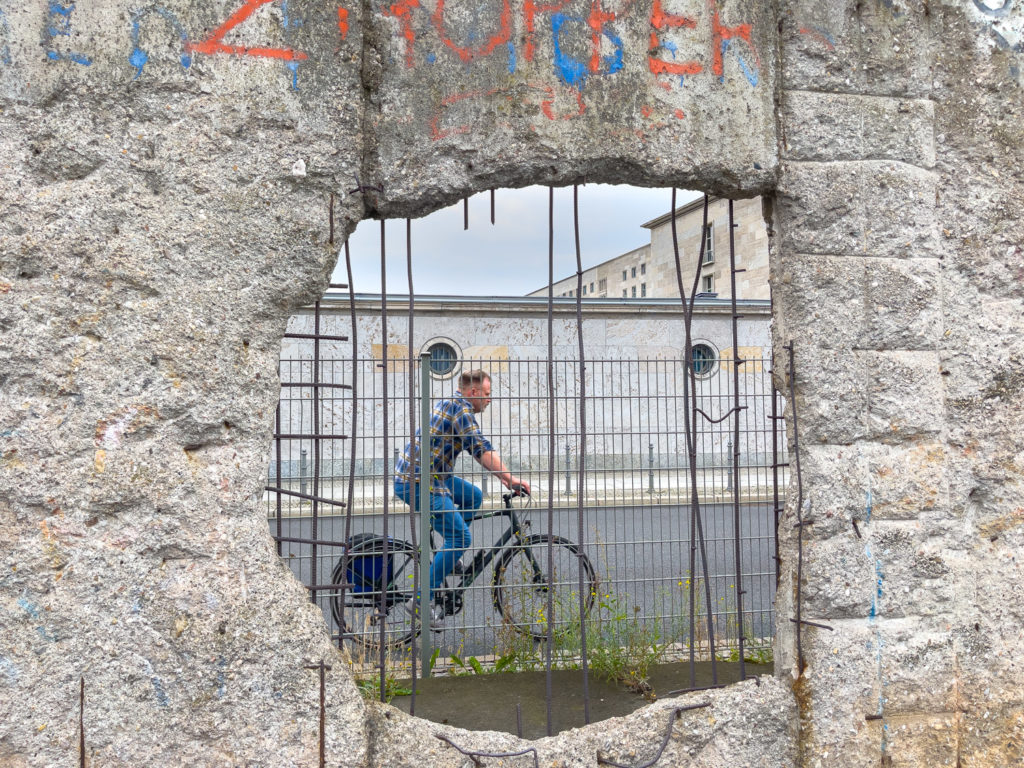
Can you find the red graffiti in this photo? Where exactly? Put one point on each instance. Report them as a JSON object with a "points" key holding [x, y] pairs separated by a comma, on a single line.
{"points": [[720, 32], [820, 36], [530, 11], [465, 53], [343, 22], [453, 98], [214, 43], [662, 20], [402, 10], [547, 105], [596, 21]]}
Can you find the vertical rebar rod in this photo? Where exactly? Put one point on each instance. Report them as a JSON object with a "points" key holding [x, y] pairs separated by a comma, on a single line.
{"points": [[384, 502], [424, 479], [736, 362], [411, 384], [492, 207], [581, 462], [465, 212], [551, 456], [81, 722], [277, 467], [353, 435], [799, 510], [315, 405], [690, 429]]}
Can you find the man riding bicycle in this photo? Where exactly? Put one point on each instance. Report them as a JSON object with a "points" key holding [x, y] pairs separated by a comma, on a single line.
{"points": [[453, 429]]}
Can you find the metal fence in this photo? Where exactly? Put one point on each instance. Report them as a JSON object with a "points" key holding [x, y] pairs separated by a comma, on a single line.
{"points": [[637, 521]]}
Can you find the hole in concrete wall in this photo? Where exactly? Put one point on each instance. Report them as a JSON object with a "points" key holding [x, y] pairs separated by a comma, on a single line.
{"points": [[623, 475]]}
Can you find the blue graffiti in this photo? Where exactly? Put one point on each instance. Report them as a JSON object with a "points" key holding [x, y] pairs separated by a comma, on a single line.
{"points": [[572, 71], [9, 669], [60, 26], [5, 58], [290, 22], [139, 57], [511, 58], [28, 607], [161, 695], [996, 13], [748, 73]]}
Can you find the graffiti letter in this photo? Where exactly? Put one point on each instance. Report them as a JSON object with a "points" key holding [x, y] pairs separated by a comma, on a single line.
{"points": [[530, 11], [720, 41], [573, 71], [343, 22], [466, 53], [139, 57], [402, 10], [60, 25], [215, 42], [662, 20]]}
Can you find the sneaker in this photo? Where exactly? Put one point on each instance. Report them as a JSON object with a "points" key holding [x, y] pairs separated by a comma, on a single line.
{"points": [[436, 614]]}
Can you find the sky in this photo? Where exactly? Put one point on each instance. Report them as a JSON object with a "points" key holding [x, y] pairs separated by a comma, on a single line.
{"points": [[509, 258]]}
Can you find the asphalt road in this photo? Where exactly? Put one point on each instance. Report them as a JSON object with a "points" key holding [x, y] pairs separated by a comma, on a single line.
{"points": [[641, 555]]}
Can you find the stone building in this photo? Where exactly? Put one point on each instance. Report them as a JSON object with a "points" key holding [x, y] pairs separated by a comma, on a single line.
{"points": [[178, 181], [650, 270]]}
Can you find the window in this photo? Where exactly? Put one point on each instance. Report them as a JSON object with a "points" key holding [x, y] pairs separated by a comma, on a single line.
{"points": [[584, 291], [602, 285], [709, 244], [643, 268], [623, 274], [625, 293], [633, 271], [643, 289], [634, 291], [591, 287], [703, 359], [444, 357], [708, 281]]}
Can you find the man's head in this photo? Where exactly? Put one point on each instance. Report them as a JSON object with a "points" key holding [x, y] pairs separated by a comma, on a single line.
{"points": [[475, 386]]}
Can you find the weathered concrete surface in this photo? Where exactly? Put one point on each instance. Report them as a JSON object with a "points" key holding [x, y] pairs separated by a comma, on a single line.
{"points": [[166, 177], [898, 279]]}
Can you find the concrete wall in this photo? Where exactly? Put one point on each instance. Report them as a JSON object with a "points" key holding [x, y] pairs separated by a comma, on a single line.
{"points": [[167, 177]]}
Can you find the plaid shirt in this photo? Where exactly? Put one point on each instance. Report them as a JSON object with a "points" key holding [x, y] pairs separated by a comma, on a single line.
{"points": [[453, 429]]}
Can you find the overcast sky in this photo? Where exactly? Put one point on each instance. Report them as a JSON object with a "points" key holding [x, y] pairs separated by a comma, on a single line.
{"points": [[511, 257]]}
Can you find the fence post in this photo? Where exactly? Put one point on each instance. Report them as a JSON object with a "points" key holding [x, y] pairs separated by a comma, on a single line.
{"points": [[424, 494], [568, 471], [303, 471], [650, 468]]}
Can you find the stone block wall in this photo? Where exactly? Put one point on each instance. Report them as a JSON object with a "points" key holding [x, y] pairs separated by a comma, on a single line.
{"points": [[168, 177]]}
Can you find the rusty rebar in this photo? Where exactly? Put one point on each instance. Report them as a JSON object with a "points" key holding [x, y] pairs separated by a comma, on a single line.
{"points": [[582, 454], [322, 667], [330, 218], [475, 756], [551, 460], [350, 491], [81, 722], [736, 441], [465, 212], [492, 207], [673, 716], [307, 496], [384, 416], [799, 509], [412, 439]]}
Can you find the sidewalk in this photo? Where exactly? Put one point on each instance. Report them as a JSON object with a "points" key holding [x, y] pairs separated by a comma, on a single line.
{"points": [[604, 489]]}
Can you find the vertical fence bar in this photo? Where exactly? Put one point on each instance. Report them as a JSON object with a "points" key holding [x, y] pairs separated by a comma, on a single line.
{"points": [[353, 435], [384, 415], [315, 417], [424, 477], [736, 362], [581, 483], [410, 379], [277, 469]]}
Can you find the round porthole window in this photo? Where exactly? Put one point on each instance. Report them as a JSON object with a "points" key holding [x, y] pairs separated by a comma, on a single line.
{"points": [[444, 357], [704, 358]]}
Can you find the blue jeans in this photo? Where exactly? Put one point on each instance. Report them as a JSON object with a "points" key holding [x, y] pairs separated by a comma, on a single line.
{"points": [[450, 516]]}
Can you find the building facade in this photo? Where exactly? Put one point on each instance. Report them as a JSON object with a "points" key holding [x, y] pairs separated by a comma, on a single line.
{"points": [[650, 270]]}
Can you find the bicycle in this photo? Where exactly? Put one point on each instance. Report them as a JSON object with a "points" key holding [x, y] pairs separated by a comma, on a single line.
{"points": [[519, 585]]}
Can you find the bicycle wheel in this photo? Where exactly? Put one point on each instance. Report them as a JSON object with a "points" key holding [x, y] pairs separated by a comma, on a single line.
{"points": [[361, 616], [521, 585]]}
